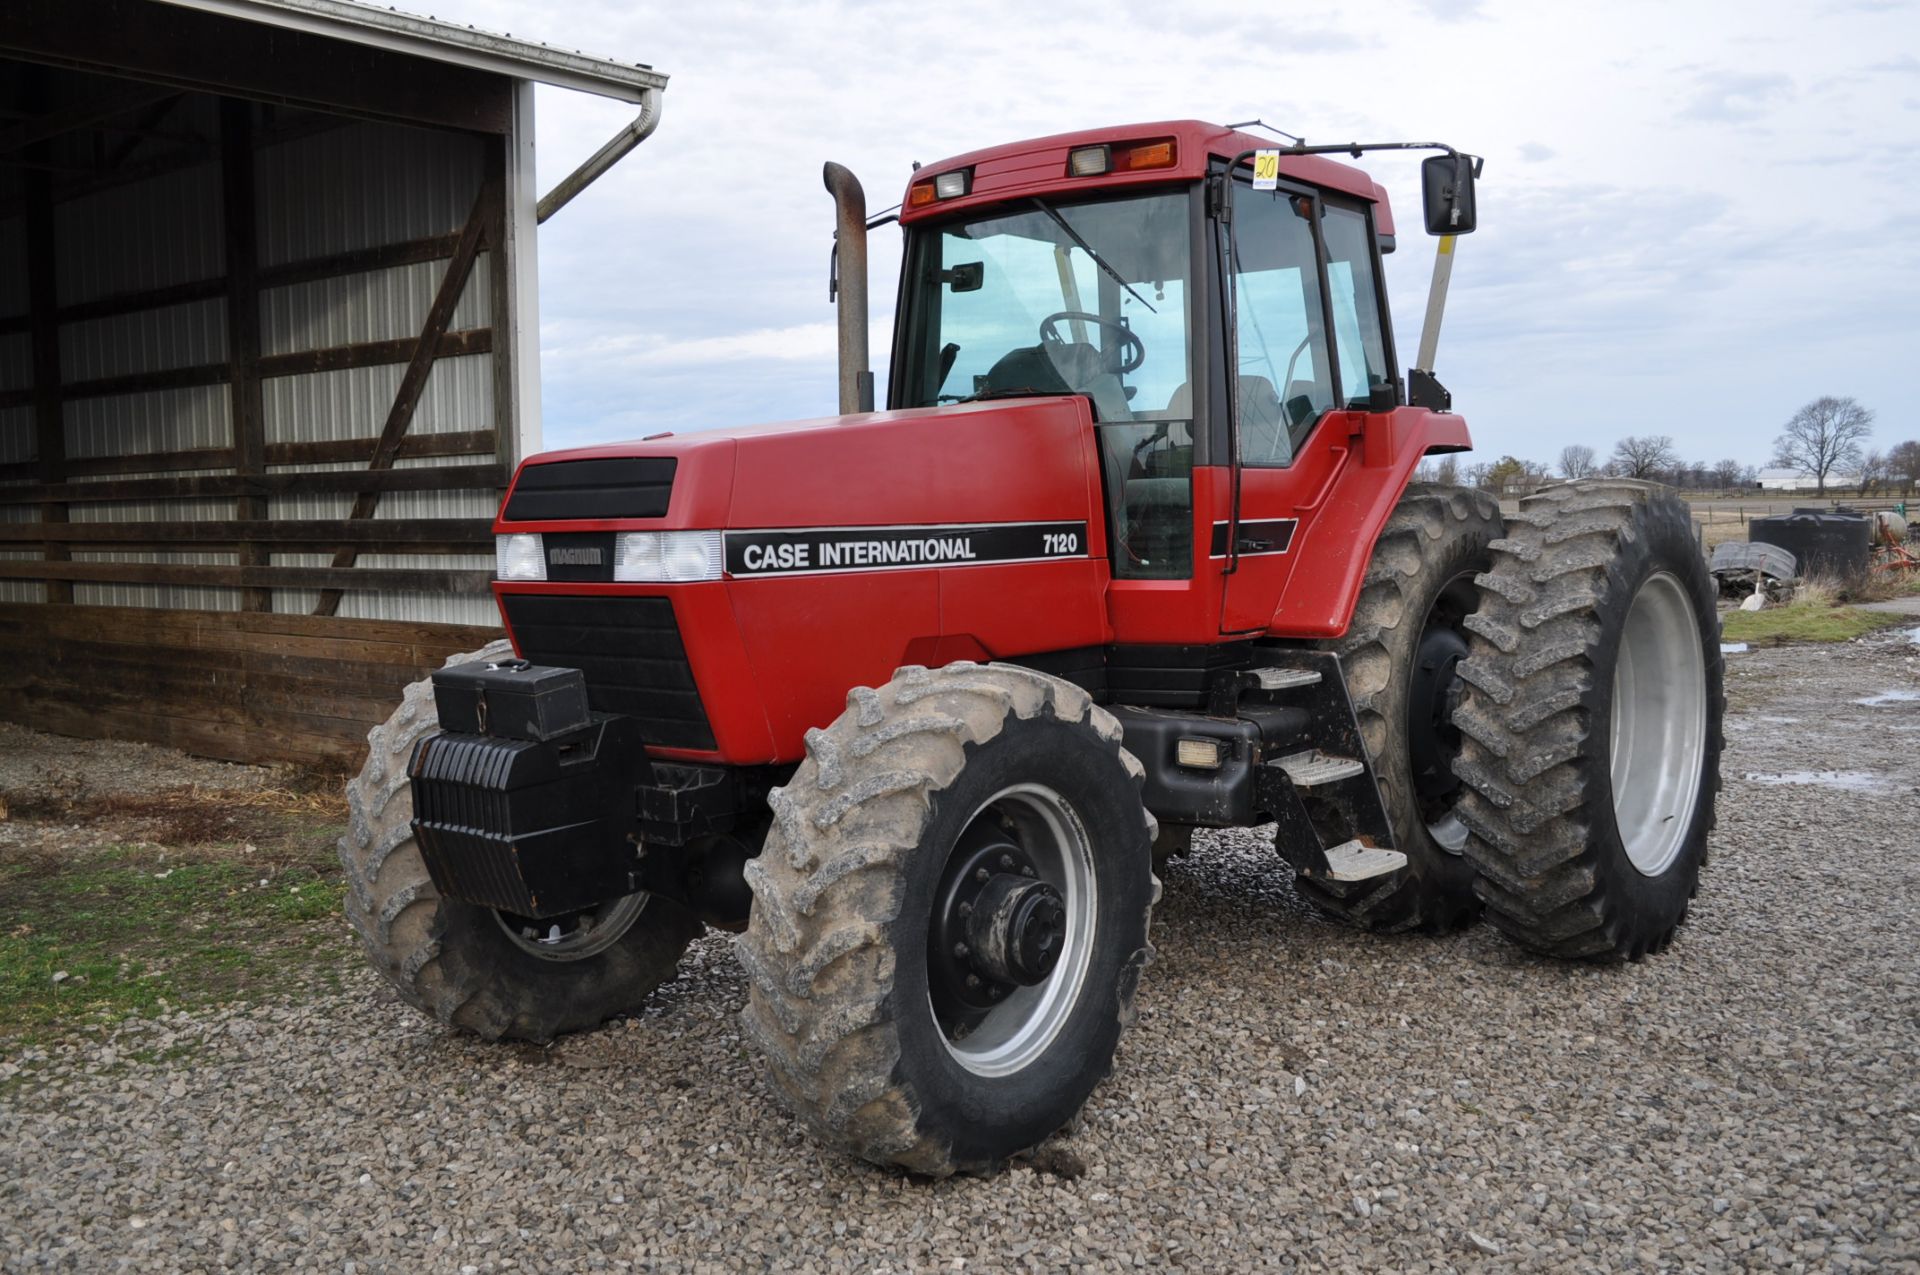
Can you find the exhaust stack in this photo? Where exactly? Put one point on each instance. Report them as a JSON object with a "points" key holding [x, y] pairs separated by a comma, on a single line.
{"points": [[848, 285]]}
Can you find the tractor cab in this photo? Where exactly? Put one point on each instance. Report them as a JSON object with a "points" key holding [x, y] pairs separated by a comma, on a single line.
{"points": [[1227, 327]]}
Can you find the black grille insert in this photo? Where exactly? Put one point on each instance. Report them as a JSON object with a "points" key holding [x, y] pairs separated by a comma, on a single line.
{"points": [[616, 487], [631, 653]]}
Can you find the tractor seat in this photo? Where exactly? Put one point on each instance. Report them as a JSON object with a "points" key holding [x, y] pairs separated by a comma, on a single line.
{"points": [[1265, 438]]}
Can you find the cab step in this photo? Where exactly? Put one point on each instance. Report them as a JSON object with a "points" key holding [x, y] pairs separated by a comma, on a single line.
{"points": [[1353, 861], [1284, 679], [1314, 767]]}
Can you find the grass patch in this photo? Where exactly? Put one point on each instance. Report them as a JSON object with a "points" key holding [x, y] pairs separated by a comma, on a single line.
{"points": [[1805, 620], [131, 932]]}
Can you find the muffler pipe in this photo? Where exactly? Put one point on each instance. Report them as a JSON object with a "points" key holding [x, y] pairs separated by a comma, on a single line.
{"points": [[848, 285]]}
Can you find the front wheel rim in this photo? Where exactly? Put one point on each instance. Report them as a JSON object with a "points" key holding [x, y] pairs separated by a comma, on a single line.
{"points": [[1658, 738], [1021, 1027], [577, 935]]}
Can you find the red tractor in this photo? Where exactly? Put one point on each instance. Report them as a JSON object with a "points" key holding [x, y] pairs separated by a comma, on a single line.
{"points": [[915, 699]]}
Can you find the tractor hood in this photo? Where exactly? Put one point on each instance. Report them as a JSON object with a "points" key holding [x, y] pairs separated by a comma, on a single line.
{"points": [[1021, 461]]}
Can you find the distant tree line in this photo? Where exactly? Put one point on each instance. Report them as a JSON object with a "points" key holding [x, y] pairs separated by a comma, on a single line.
{"points": [[1825, 440]]}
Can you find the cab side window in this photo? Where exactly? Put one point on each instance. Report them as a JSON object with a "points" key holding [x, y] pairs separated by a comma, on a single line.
{"points": [[1358, 331], [1285, 377]]}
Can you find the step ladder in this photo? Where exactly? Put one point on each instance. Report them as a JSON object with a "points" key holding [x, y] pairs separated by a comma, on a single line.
{"points": [[1352, 861], [1313, 768]]}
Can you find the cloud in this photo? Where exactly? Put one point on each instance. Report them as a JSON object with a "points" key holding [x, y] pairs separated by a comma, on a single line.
{"points": [[1736, 96], [1453, 10], [1667, 268]]}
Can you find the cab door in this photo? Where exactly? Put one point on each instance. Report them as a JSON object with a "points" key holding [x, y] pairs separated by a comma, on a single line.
{"points": [[1306, 347]]}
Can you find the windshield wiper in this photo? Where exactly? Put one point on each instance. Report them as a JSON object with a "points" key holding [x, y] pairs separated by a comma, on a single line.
{"points": [[1087, 248], [1013, 391]]}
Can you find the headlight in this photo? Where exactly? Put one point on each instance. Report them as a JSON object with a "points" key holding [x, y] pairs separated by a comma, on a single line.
{"points": [[519, 557], [666, 556]]}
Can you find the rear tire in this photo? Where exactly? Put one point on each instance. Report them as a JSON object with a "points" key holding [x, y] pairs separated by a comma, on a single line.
{"points": [[897, 800], [1418, 592], [461, 962], [1593, 722]]}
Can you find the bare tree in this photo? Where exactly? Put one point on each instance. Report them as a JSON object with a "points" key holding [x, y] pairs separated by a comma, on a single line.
{"points": [[1727, 473], [1645, 457], [1476, 473], [1824, 436], [1903, 466], [1576, 461], [1447, 471], [1868, 472]]}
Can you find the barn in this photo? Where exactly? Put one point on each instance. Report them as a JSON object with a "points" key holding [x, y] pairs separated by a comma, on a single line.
{"points": [[268, 352]]}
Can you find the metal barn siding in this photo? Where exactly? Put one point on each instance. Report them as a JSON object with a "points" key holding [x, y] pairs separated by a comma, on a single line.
{"points": [[267, 353]]}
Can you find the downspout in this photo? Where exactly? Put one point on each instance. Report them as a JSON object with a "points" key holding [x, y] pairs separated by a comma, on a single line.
{"points": [[616, 149], [848, 286]]}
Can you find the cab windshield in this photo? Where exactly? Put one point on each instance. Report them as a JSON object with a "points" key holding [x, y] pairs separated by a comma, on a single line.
{"points": [[1087, 297]]}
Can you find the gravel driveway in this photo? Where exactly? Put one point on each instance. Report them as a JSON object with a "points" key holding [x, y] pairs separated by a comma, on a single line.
{"points": [[1293, 1094]]}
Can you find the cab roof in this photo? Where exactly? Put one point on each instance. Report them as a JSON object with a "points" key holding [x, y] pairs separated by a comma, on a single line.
{"points": [[1039, 166]]}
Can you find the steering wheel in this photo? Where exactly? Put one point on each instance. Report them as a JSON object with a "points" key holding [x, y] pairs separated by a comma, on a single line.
{"points": [[1133, 352]]}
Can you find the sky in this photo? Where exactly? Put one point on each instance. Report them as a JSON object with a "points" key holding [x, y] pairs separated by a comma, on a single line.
{"points": [[1694, 217]]}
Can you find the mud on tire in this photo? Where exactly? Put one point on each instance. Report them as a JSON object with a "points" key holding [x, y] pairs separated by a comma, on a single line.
{"points": [[1597, 587], [1422, 569], [453, 959], [837, 950]]}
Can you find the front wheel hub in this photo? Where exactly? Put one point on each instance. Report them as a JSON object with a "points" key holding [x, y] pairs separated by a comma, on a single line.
{"points": [[1015, 929]]}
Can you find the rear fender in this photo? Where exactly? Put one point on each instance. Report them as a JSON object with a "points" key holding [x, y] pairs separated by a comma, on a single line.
{"points": [[1319, 602]]}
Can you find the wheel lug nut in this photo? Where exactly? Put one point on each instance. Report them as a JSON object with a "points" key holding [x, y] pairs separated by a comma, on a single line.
{"points": [[966, 908], [973, 980], [1006, 861], [981, 874], [1026, 872], [961, 950]]}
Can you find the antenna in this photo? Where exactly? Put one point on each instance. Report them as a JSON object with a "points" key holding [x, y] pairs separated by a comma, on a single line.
{"points": [[1277, 132]]}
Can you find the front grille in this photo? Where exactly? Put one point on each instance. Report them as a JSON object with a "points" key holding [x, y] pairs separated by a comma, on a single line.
{"points": [[630, 651], [615, 487]]}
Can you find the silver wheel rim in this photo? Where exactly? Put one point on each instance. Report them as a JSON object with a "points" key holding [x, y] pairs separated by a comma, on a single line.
{"points": [[577, 935], [1020, 1028], [1659, 732]]}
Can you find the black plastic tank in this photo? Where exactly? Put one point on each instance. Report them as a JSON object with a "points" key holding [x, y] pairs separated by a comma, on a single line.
{"points": [[1822, 541]]}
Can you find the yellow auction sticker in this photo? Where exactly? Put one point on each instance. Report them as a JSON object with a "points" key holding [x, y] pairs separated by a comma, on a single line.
{"points": [[1266, 170]]}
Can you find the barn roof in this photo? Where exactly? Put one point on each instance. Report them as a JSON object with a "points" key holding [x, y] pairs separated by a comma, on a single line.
{"points": [[440, 41]]}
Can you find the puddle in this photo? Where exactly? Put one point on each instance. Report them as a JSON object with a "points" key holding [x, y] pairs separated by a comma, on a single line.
{"points": [[1884, 698], [1740, 648], [1844, 780]]}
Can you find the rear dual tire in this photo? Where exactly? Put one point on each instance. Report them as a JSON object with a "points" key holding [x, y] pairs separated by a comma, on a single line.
{"points": [[1592, 722]]}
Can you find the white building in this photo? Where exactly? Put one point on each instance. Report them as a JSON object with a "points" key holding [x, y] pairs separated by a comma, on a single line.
{"points": [[1786, 480]]}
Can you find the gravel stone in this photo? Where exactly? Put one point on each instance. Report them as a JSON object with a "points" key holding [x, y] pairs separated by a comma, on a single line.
{"points": [[1747, 1101]]}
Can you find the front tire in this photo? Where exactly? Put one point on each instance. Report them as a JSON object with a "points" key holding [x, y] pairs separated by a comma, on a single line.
{"points": [[1399, 654], [470, 967], [870, 998], [1593, 722]]}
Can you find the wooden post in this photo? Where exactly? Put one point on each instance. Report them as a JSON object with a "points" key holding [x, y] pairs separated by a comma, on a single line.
{"points": [[248, 410], [42, 300], [499, 297]]}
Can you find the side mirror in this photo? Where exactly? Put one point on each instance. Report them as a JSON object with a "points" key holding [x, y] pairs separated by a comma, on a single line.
{"points": [[1446, 184]]}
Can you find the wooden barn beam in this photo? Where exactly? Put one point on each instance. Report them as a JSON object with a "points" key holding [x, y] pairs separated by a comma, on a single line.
{"points": [[247, 404], [414, 381], [42, 299]]}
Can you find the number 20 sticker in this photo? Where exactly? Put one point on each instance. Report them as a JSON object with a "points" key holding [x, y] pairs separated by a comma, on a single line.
{"points": [[1266, 170]]}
